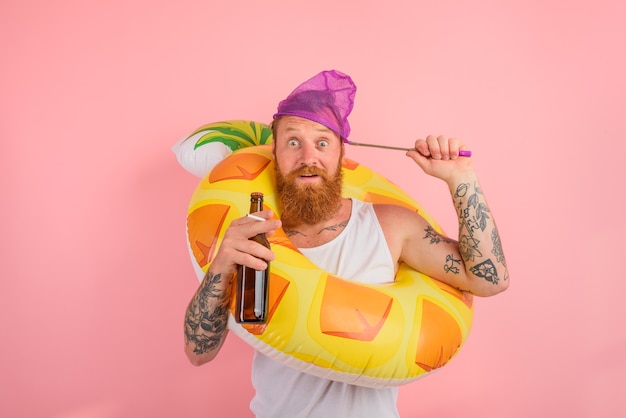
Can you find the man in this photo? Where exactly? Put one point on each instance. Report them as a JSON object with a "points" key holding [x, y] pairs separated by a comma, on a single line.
{"points": [[345, 237]]}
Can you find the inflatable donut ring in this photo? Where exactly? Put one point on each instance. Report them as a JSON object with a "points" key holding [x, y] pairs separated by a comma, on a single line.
{"points": [[370, 335]]}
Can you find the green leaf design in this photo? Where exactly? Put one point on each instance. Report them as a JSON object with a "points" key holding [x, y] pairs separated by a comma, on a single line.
{"points": [[235, 134]]}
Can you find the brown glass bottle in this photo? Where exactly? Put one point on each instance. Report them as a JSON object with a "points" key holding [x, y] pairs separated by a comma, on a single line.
{"points": [[252, 286]]}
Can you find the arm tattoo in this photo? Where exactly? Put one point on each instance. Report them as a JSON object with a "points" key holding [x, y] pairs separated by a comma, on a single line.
{"points": [[476, 214], [435, 237], [468, 247], [497, 247], [474, 222], [486, 270], [207, 316], [451, 264]]}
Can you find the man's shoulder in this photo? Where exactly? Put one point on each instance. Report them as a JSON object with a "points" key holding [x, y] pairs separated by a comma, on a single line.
{"points": [[393, 217], [391, 209]]}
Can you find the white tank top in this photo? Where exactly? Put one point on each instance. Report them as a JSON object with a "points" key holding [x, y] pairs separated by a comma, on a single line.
{"points": [[358, 253]]}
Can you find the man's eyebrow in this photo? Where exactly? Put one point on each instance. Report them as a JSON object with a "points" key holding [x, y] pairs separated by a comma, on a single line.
{"points": [[320, 129]]}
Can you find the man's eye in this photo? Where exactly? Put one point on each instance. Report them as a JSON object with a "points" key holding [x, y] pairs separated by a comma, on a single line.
{"points": [[323, 144], [292, 142]]}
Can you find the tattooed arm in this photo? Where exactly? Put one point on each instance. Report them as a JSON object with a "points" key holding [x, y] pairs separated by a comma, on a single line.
{"points": [[475, 263], [479, 241], [206, 318]]}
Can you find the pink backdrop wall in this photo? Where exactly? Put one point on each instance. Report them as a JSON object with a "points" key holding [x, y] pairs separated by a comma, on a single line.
{"points": [[94, 268]]}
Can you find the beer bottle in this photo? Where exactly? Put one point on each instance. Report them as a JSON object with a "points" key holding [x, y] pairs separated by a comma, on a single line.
{"points": [[252, 286]]}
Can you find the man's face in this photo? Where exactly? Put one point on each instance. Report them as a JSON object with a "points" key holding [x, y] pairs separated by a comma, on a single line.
{"points": [[301, 143], [308, 170]]}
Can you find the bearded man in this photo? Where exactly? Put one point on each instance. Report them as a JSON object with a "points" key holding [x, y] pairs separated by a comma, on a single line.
{"points": [[349, 238]]}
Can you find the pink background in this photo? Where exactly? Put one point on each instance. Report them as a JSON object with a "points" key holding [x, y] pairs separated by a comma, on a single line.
{"points": [[94, 266]]}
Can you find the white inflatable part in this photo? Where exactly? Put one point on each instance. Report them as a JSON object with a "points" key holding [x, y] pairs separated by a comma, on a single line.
{"points": [[201, 160]]}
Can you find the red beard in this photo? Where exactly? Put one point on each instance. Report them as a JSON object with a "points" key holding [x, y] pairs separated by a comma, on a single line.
{"points": [[306, 203]]}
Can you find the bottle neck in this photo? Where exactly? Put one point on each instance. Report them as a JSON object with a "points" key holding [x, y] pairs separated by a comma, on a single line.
{"points": [[256, 204]]}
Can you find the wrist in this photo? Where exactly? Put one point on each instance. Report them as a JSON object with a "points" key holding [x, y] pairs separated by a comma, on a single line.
{"points": [[459, 178]]}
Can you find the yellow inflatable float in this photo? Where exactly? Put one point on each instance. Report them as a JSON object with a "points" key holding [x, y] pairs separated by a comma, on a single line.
{"points": [[370, 335]]}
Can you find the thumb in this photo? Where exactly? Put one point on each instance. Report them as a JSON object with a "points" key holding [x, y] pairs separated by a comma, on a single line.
{"points": [[420, 160]]}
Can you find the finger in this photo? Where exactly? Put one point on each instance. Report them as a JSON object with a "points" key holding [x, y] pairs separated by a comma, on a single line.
{"points": [[265, 217], [434, 147], [265, 214], [254, 262], [243, 253], [444, 147], [255, 255], [422, 147], [254, 217], [455, 145], [254, 227], [418, 156]]}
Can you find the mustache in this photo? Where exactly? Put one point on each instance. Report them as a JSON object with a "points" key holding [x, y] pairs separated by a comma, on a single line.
{"points": [[308, 170]]}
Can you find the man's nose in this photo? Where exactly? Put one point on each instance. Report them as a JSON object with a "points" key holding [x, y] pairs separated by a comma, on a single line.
{"points": [[309, 154]]}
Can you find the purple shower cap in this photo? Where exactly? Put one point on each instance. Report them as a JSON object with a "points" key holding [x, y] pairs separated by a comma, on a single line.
{"points": [[327, 98]]}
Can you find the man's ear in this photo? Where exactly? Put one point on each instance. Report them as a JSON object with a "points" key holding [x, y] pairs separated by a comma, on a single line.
{"points": [[274, 127]]}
